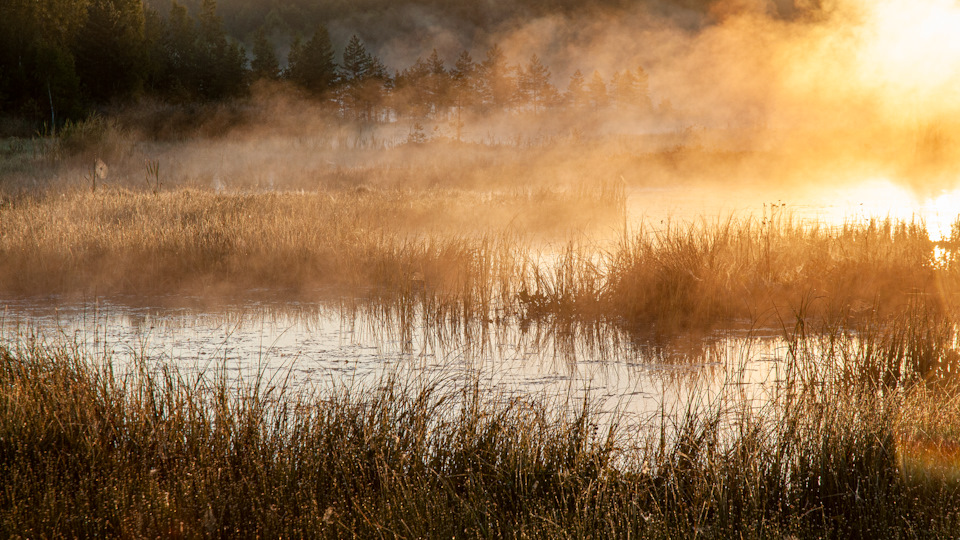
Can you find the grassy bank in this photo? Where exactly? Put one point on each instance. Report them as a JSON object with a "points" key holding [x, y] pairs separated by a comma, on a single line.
{"points": [[764, 271], [481, 255], [857, 441], [120, 241]]}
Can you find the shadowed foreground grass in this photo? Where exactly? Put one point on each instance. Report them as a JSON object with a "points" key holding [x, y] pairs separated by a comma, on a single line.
{"points": [[859, 441]]}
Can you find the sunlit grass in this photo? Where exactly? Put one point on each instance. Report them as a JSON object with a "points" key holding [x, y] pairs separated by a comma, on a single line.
{"points": [[481, 256], [856, 439], [519, 236], [120, 241], [764, 270]]}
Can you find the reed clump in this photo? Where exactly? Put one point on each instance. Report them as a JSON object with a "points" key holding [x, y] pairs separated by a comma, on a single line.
{"points": [[758, 271], [119, 241], [741, 272], [461, 250], [89, 451]]}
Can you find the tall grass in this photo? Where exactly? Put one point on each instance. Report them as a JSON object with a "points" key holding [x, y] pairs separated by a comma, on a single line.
{"points": [[121, 242], [742, 272], [749, 269], [462, 253], [837, 449]]}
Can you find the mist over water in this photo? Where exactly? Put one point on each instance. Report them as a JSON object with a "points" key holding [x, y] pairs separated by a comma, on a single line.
{"points": [[829, 113], [664, 268]]}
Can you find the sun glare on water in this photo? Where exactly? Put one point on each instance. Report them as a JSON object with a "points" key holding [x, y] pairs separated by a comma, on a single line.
{"points": [[946, 209], [883, 198]]}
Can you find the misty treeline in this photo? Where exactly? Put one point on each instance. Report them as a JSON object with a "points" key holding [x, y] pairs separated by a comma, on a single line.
{"points": [[243, 17], [60, 59], [360, 85]]}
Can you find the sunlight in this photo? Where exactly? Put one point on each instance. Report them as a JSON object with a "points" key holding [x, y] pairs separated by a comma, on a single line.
{"points": [[944, 211], [883, 198], [911, 46], [881, 193], [877, 197]]}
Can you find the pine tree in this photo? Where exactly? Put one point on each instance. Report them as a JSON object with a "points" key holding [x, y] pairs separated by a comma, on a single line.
{"points": [[535, 85], [37, 67], [156, 62], [624, 89], [630, 91], [498, 84], [465, 69], [378, 70], [311, 65], [598, 91], [435, 64], [643, 89], [110, 49], [365, 80], [264, 64], [220, 63], [576, 91], [437, 84], [357, 62], [464, 82], [410, 95], [179, 54]]}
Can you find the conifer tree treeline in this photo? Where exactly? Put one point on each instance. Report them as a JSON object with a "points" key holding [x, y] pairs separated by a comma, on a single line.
{"points": [[243, 17], [58, 58]]}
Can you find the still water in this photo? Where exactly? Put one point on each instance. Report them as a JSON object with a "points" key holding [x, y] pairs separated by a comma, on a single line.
{"points": [[313, 347], [309, 346]]}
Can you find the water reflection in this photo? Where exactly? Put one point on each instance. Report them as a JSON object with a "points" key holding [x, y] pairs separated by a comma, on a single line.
{"points": [[313, 346]]}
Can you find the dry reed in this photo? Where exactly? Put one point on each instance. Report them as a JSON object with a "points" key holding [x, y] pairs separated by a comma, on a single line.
{"points": [[835, 451]]}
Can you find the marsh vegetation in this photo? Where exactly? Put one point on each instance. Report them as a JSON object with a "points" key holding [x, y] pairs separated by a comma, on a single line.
{"points": [[855, 440], [852, 437], [706, 288]]}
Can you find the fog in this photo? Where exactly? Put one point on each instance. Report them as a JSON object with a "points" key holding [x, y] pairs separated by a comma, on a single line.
{"points": [[761, 94]]}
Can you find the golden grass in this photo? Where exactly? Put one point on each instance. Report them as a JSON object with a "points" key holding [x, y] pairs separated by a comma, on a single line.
{"points": [[763, 271], [476, 253], [859, 439], [835, 451], [120, 241]]}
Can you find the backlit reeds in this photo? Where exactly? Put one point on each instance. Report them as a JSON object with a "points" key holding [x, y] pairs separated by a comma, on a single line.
{"points": [[438, 248], [87, 451]]}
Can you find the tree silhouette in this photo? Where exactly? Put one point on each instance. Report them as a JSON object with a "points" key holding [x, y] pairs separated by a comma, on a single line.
{"points": [[357, 62], [643, 89], [498, 85], [577, 96], [220, 63], [437, 84], [110, 49], [311, 65], [410, 94], [535, 85], [264, 64], [365, 80], [172, 53], [37, 68], [623, 88], [464, 88], [60, 57], [190, 60], [598, 91], [464, 74]]}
